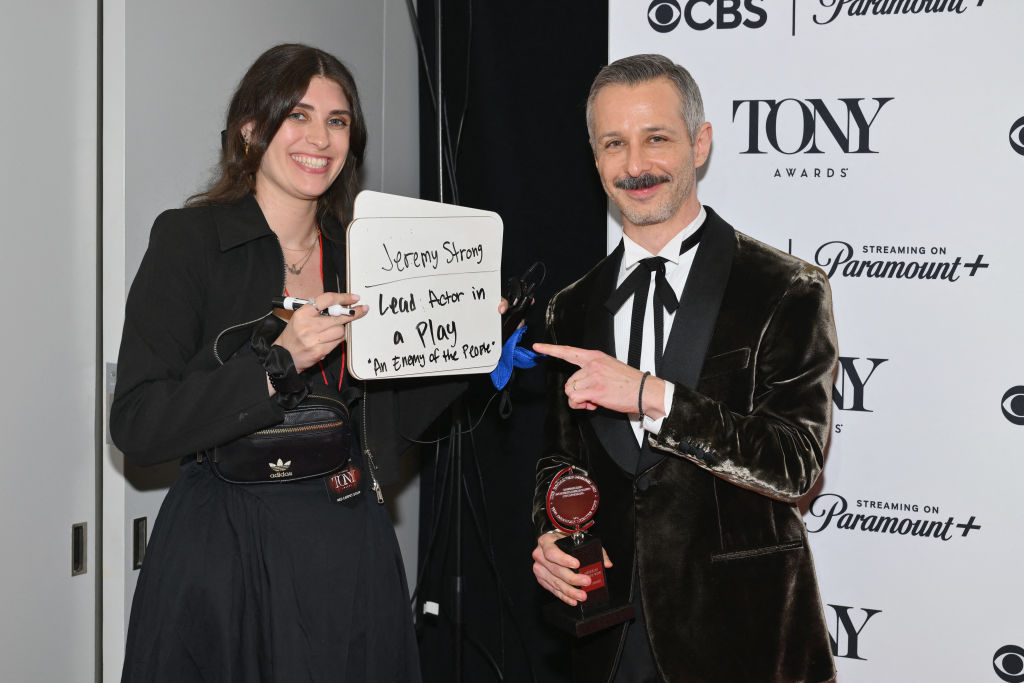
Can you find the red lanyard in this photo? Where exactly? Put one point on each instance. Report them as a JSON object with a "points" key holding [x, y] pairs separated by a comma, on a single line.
{"points": [[323, 371]]}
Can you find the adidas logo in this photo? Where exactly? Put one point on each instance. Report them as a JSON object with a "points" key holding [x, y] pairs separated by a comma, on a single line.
{"points": [[280, 469]]}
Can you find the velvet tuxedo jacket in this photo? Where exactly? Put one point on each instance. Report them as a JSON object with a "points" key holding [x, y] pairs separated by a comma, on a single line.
{"points": [[707, 508]]}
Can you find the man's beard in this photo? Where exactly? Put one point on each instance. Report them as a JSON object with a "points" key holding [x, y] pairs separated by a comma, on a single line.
{"points": [[653, 214]]}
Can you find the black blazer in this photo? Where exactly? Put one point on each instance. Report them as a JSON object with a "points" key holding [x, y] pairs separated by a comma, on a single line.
{"points": [[208, 274], [725, 573]]}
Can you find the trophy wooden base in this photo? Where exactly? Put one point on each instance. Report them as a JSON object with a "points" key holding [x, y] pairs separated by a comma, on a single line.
{"points": [[584, 619], [598, 611]]}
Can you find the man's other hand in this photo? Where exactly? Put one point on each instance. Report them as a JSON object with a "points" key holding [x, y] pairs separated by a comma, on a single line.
{"points": [[555, 570]]}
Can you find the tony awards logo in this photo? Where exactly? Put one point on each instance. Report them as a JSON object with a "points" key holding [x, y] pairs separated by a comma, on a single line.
{"points": [[817, 135]]}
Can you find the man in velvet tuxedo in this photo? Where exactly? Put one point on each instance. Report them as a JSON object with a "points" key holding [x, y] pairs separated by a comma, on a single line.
{"points": [[703, 430]]}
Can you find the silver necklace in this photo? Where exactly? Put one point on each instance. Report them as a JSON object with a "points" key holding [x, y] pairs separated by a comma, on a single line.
{"points": [[296, 268]]}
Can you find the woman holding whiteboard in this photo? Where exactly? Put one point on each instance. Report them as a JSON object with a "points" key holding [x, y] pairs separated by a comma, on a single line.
{"points": [[264, 581]]}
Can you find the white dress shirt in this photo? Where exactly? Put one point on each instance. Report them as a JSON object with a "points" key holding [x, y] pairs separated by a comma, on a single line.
{"points": [[677, 268]]}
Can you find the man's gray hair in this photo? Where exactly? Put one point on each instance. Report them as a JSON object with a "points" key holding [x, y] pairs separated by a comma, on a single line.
{"points": [[640, 69]]}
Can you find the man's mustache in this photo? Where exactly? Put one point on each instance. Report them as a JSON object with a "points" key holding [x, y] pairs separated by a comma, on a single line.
{"points": [[641, 182]]}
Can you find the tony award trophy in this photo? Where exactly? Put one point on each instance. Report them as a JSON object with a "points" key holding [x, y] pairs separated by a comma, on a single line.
{"points": [[571, 504]]}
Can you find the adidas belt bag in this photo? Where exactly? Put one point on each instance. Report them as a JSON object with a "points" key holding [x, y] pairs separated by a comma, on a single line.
{"points": [[313, 440]]}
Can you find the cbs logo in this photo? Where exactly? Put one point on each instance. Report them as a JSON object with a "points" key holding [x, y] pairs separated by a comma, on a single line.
{"points": [[700, 15], [1013, 407], [1008, 662], [1016, 130]]}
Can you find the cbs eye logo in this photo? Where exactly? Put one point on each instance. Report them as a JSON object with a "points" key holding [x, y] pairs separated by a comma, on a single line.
{"points": [[664, 15], [1008, 662], [1013, 408], [1016, 130], [701, 15]]}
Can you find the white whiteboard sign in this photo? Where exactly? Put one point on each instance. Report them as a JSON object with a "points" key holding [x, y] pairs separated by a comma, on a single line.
{"points": [[432, 283]]}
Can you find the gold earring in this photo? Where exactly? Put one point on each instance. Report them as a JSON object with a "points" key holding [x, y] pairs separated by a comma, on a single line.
{"points": [[247, 148]]}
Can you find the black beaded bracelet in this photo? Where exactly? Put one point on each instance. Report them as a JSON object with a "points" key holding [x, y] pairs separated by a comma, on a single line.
{"points": [[291, 387], [640, 395]]}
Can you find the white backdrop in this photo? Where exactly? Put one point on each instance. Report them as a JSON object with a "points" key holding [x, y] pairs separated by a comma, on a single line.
{"points": [[882, 140]]}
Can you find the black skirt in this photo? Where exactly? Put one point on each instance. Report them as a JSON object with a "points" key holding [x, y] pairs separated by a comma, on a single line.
{"points": [[270, 583]]}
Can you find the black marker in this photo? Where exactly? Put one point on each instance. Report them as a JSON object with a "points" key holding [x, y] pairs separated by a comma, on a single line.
{"points": [[291, 303]]}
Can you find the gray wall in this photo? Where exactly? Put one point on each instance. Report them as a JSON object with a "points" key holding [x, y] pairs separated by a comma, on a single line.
{"points": [[48, 183]]}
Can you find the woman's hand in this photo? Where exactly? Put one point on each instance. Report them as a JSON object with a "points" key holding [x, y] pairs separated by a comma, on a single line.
{"points": [[309, 336]]}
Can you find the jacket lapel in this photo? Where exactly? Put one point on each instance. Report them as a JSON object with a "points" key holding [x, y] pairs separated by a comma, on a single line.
{"points": [[698, 306], [612, 429], [598, 323], [240, 223]]}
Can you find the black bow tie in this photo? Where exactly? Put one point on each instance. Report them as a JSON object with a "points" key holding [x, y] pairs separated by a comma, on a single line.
{"points": [[638, 284], [639, 278]]}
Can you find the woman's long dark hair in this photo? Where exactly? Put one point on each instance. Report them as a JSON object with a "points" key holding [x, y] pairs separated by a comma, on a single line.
{"points": [[271, 87]]}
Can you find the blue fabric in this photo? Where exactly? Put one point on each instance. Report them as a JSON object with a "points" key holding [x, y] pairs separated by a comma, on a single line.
{"points": [[512, 356]]}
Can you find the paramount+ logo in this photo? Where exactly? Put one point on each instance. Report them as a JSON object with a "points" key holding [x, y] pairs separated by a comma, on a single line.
{"points": [[891, 518], [832, 9], [701, 15], [839, 258]]}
